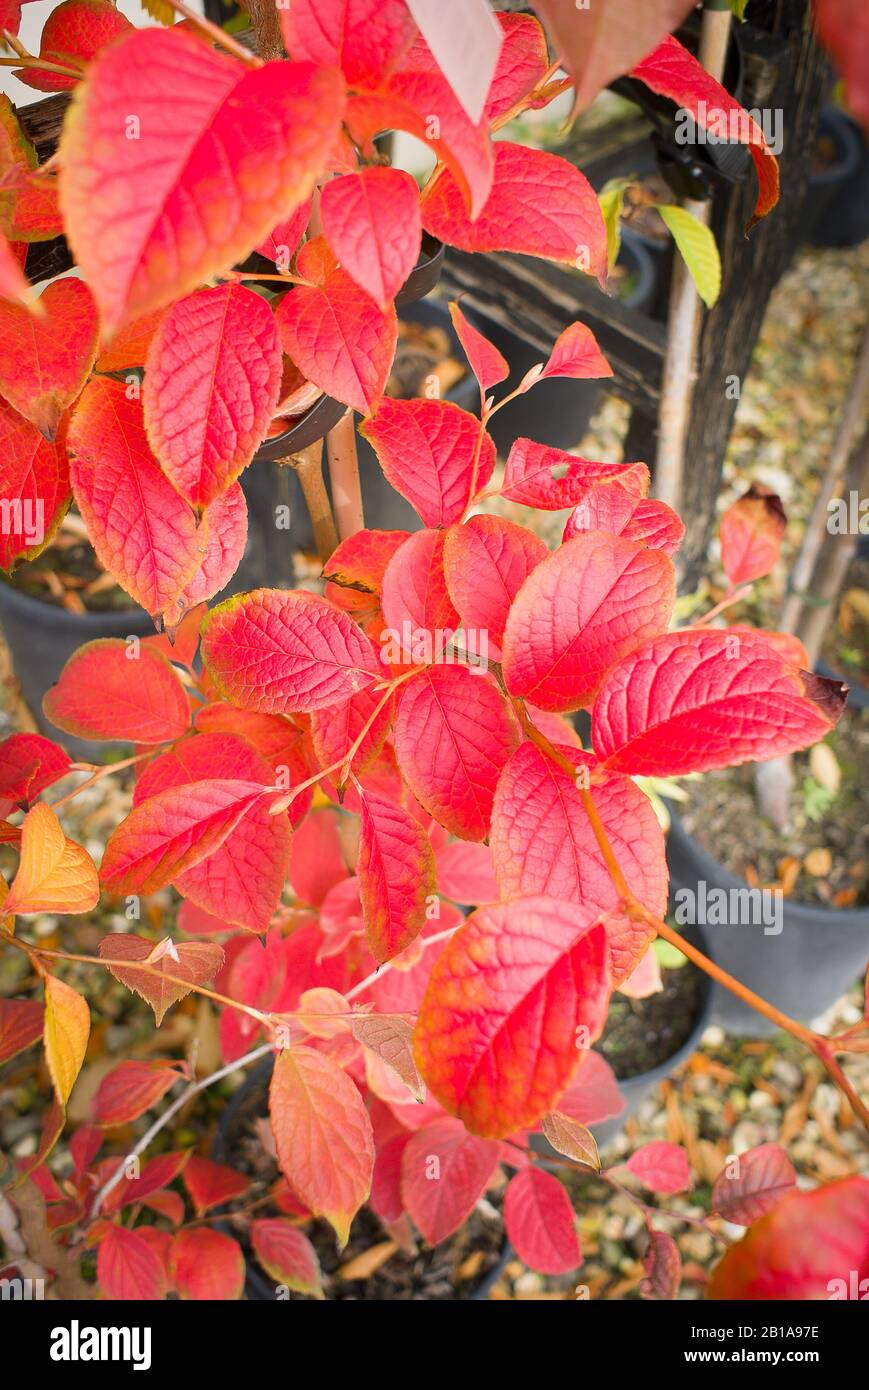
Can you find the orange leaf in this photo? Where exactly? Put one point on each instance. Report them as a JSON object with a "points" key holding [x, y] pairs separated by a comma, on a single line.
{"points": [[54, 873], [323, 1135], [192, 961], [67, 1029]]}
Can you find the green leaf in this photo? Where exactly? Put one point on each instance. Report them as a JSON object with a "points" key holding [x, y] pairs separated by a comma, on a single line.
{"points": [[669, 957], [738, 8], [611, 199], [697, 248]]}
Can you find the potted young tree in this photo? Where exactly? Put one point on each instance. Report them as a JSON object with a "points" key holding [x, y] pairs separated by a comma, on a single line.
{"points": [[422, 694]]}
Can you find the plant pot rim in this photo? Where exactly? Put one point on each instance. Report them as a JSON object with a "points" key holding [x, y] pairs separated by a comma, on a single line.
{"points": [[805, 913], [110, 620]]}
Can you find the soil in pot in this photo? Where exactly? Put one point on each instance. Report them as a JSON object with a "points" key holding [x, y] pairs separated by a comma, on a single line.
{"points": [[824, 859], [67, 575], [453, 1270], [641, 1034]]}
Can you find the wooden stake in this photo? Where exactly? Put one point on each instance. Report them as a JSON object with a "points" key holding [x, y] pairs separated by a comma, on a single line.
{"points": [[309, 467], [680, 370], [831, 485], [344, 477]]}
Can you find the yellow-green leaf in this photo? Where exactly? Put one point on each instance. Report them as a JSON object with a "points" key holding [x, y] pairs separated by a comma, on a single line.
{"points": [[66, 1033], [611, 200], [697, 248]]}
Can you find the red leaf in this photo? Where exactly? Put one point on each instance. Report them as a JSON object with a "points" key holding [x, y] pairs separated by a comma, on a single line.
{"points": [[671, 71], [690, 701], [323, 1135], [242, 879], [335, 729], [129, 347], [128, 1268], [226, 520], [207, 1265], [20, 1026], [584, 608], [202, 181], [522, 63], [396, 869], [663, 1265], [277, 650], [354, 572], [28, 764], [45, 359], [34, 486], [282, 242], [843, 26], [497, 1031], [76, 30], [433, 453], [10, 15], [212, 381], [130, 1089], [386, 1199], [110, 689], [193, 961], [420, 101], [156, 1174], [487, 363], [14, 284], [173, 832], [465, 873], [372, 222], [812, 1245], [287, 1255], [365, 38], [444, 1173], [543, 842], [453, 735], [211, 1184], [419, 619], [759, 1180], [486, 562], [316, 861], [538, 476], [600, 43], [576, 354], [340, 339], [661, 1167], [752, 530], [610, 507], [144, 534], [540, 205], [540, 1222]]}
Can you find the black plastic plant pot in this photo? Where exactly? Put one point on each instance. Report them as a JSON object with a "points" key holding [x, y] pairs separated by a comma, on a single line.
{"points": [[42, 637], [557, 412], [802, 968], [836, 207], [252, 1095]]}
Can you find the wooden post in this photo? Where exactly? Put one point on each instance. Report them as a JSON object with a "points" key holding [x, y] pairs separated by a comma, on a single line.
{"points": [[309, 467], [344, 477]]}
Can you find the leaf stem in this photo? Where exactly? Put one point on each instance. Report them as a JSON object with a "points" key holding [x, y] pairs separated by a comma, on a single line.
{"points": [[98, 773], [217, 34]]}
